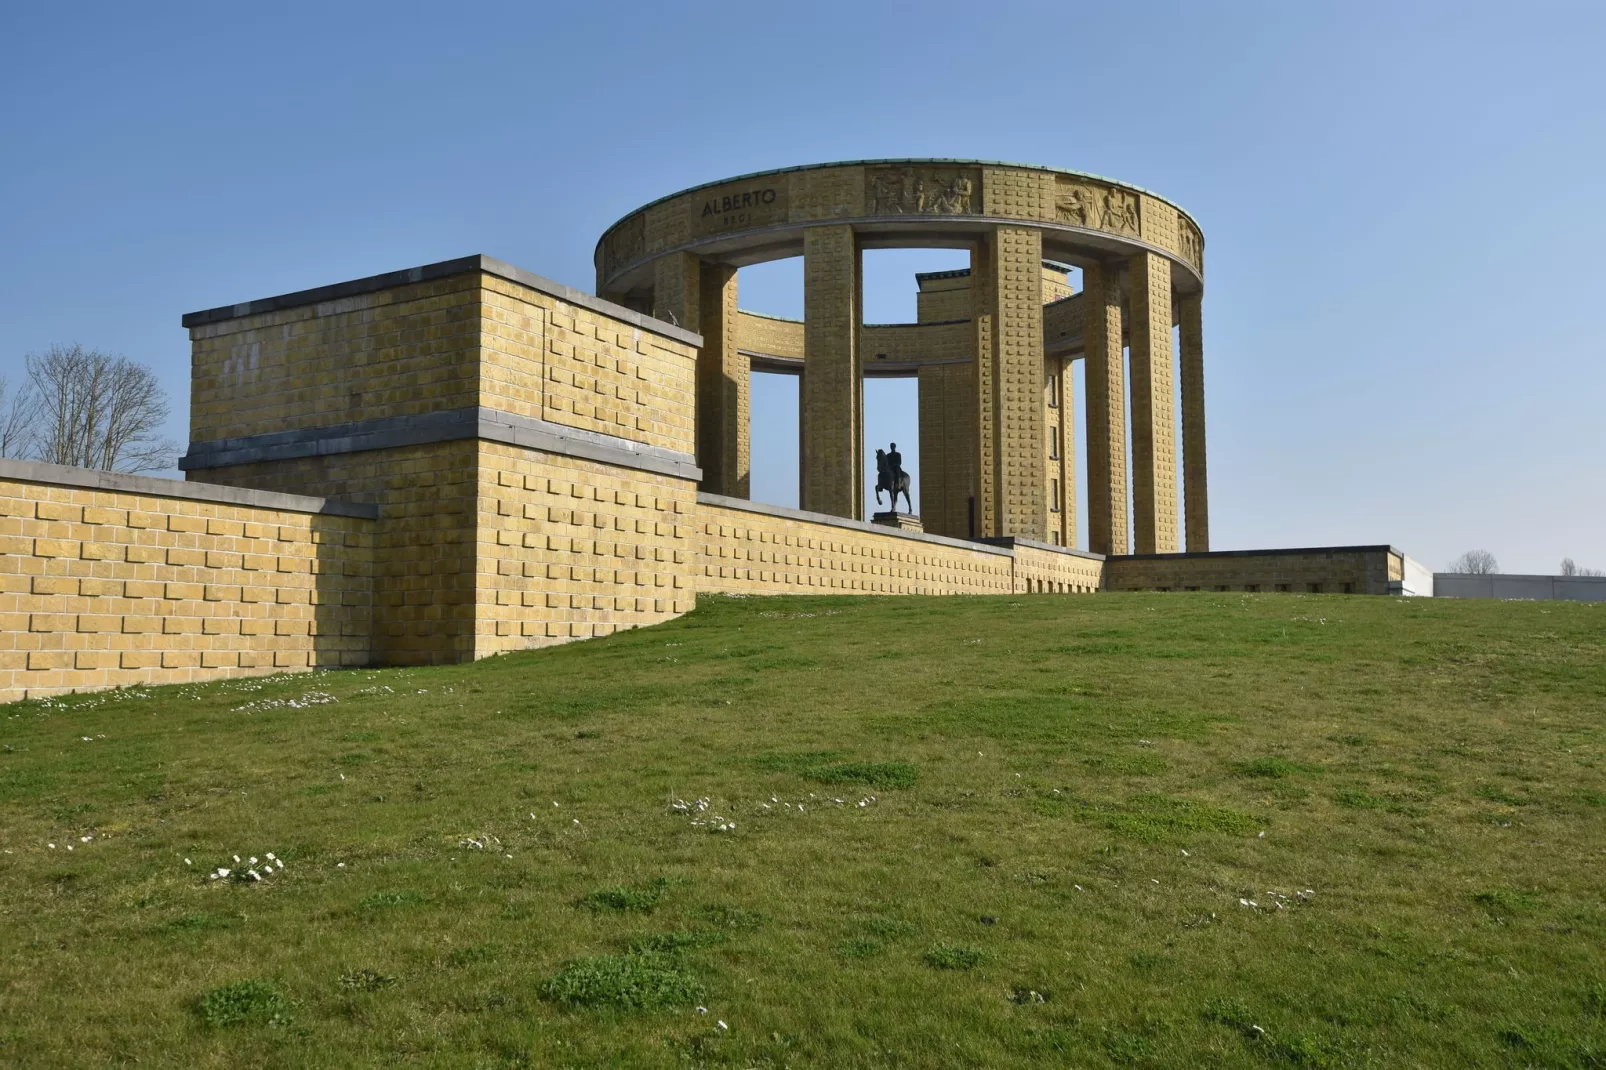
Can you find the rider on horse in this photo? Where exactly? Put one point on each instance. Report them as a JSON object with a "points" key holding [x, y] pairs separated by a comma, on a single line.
{"points": [[890, 476]]}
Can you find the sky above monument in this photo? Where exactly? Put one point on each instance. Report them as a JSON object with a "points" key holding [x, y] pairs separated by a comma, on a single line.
{"points": [[1400, 202]]}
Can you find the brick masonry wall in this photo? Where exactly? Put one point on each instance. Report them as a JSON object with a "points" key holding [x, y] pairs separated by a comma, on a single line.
{"points": [[1041, 569], [395, 352], [568, 549], [545, 358], [424, 539], [751, 551], [104, 588], [1337, 570], [770, 335]]}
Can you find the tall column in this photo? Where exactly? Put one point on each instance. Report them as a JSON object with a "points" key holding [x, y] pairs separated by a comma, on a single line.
{"points": [[1195, 492], [701, 297], [947, 448], [982, 508], [1154, 430], [1106, 411], [1009, 296], [1059, 425], [832, 460]]}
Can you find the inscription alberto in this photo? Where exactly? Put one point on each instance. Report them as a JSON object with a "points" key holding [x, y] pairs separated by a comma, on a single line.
{"points": [[738, 202]]}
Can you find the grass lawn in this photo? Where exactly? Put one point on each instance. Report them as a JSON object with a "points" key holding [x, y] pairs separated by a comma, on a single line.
{"points": [[1134, 830]]}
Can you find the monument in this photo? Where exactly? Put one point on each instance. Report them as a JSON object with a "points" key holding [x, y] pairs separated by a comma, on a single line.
{"points": [[463, 458], [991, 357]]}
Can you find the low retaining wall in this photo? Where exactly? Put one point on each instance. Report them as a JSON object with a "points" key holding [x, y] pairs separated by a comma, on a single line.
{"points": [[1325, 570], [750, 548], [110, 579], [1542, 588]]}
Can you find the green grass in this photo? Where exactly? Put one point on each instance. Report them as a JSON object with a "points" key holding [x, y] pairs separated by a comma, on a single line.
{"points": [[1159, 830]]}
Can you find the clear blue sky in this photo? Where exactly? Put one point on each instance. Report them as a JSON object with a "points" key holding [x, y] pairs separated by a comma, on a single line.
{"points": [[1402, 202]]}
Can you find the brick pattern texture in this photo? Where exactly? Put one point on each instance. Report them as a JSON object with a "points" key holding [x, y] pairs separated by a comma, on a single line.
{"points": [[757, 553], [1154, 423], [1338, 571], [1195, 469], [104, 589], [1106, 412], [832, 395]]}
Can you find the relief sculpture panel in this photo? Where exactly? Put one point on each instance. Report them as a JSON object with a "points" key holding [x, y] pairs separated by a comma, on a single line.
{"points": [[1190, 242], [922, 191], [1099, 207]]}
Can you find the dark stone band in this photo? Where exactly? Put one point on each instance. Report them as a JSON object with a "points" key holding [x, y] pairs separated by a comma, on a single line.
{"points": [[451, 425]]}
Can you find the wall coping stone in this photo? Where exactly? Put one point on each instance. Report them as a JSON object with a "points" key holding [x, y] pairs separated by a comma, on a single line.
{"points": [[440, 270], [450, 425], [863, 526], [1198, 554], [1015, 540], [158, 487]]}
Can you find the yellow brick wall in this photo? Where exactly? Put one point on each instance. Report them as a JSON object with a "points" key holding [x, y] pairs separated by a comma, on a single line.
{"points": [[424, 540], [396, 352], [1365, 570], [567, 548], [104, 589], [1043, 571], [749, 552], [769, 334], [551, 360]]}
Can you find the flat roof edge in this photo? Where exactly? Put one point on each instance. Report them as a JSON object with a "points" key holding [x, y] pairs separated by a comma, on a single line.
{"points": [[440, 270]]}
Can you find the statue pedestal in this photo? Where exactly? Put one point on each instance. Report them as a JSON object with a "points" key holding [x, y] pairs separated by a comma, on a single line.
{"points": [[901, 521]]}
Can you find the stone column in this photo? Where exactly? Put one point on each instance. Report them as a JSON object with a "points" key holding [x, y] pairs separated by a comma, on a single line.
{"points": [[947, 448], [1195, 492], [1059, 451], [1154, 431], [1106, 411], [701, 297], [1008, 291], [831, 394]]}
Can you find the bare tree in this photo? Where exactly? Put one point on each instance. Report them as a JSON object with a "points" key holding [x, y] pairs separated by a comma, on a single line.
{"points": [[95, 410], [16, 419], [1475, 563], [1570, 568]]}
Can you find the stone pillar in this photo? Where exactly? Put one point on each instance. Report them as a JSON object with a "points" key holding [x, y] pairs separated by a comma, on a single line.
{"points": [[701, 297], [982, 508], [1059, 451], [947, 448], [1008, 291], [1154, 430], [1106, 411], [1195, 492], [831, 396]]}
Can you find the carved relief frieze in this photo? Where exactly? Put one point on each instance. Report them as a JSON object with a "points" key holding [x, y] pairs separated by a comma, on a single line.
{"points": [[1088, 204], [922, 191], [1190, 242]]}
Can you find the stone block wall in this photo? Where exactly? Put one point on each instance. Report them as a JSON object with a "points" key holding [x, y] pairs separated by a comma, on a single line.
{"points": [[747, 548], [398, 350], [1041, 568], [567, 548], [109, 580], [1325, 570]]}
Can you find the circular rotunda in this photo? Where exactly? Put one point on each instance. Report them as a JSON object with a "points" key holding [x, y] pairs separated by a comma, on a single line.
{"points": [[992, 350]]}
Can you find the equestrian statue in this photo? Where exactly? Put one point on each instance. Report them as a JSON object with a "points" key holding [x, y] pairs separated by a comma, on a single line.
{"points": [[890, 476]]}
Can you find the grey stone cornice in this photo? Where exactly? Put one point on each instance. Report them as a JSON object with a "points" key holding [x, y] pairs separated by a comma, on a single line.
{"points": [[1012, 541], [450, 425], [440, 270], [1197, 555], [157, 487]]}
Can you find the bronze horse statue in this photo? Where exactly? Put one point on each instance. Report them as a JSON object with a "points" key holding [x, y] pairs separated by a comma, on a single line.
{"points": [[890, 476]]}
